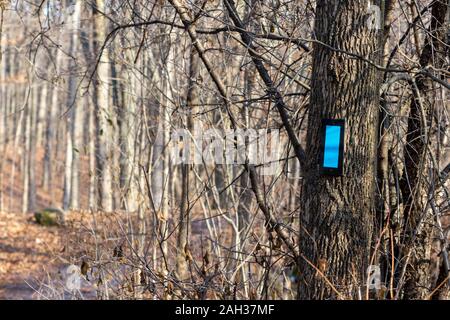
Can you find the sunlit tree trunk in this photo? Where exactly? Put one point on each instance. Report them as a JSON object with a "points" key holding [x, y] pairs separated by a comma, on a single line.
{"points": [[29, 178], [5, 97], [187, 182], [51, 127], [42, 111], [73, 128], [104, 111], [128, 122]]}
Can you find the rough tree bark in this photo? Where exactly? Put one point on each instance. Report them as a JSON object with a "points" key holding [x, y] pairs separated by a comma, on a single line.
{"points": [[184, 225], [337, 212], [418, 221]]}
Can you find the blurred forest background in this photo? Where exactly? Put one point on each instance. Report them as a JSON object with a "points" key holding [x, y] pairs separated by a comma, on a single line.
{"points": [[92, 94]]}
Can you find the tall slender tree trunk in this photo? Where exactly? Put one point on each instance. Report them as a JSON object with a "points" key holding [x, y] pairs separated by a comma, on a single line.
{"points": [[104, 111], [50, 131], [77, 140], [32, 190], [187, 184], [19, 123], [29, 180], [71, 170], [5, 92], [92, 132], [167, 109], [42, 111], [337, 212], [418, 221], [128, 122], [67, 169]]}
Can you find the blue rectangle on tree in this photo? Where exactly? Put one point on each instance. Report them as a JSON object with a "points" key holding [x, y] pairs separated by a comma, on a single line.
{"points": [[332, 157]]}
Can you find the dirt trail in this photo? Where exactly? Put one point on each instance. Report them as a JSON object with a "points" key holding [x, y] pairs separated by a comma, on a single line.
{"points": [[26, 255]]}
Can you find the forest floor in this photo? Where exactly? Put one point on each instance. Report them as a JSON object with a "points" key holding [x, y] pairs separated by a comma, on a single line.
{"points": [[34, 258], [27, 253]]}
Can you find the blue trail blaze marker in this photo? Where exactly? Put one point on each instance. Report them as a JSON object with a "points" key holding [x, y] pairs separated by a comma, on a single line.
{"points": [[332, 158]]}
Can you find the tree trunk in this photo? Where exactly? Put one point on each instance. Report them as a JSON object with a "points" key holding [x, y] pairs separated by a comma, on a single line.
{"points": [[50, 131], [186, 180], [337, 212], [128, 123], [5, 92], [104, 111], [92, 132], [42, 111], [418, 221], [29, 181], [71, 170]]}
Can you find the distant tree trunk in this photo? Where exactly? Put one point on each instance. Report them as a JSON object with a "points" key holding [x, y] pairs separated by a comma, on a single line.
{"points": [[116, 101], [19, 123], [32, 152], [51, 127], [104, 111], [167, 109], [67, 169], [42, 111], [129, 171], [419, 227], [192, 102], [157, 165], [337, 212], [92, 132], [71, 170], [29, 179], [77, 139], [161, 162], [25, 151], [5, 92], [246, 194]]}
